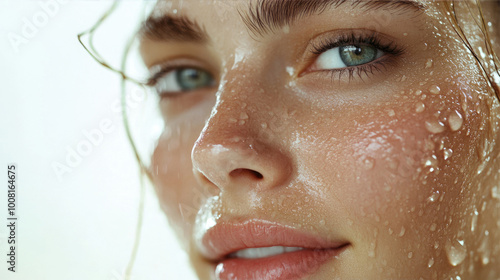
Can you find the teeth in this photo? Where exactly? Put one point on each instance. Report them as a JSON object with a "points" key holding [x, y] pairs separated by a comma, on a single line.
{"points": [[255, 253]]}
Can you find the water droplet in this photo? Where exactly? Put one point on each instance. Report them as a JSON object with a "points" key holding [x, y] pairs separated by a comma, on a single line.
{"points": [[368, 163], [432, 163], [233, 120], [434, 126], [473, 224], [429, 63], [243, 116], [402, 232], [391, 113], [263, 125], [322, 222], [290, 70], [484, 250], [435, 90], [455, 121], [405, 34], [371, 250], [410, 255], [495, 192], [434, 196], [418, 92], [390, 231], [447, 153], [242, 122], [433, 227], [430, 263], [456, 251], [419, 107]]}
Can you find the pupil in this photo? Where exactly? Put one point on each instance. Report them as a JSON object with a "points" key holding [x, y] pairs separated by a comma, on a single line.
{"points": [[358, 51]]}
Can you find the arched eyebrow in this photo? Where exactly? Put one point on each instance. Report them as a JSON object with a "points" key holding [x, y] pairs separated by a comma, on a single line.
{"points": [[263, 17]]}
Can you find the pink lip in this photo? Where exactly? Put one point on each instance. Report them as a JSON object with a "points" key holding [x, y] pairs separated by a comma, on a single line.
{"points": [[226, 238]]}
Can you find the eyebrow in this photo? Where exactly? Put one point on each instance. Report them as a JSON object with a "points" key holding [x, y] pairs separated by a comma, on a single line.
{"points": [[172, 28], [263, 17], [269, 15]]}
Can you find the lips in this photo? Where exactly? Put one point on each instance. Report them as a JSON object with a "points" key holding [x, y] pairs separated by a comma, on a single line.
{"points": [[263, 250]]}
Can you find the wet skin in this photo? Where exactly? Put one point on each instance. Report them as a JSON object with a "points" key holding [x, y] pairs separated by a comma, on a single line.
{"points": [[398, 158]]}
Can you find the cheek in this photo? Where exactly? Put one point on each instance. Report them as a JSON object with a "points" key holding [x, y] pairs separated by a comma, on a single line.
{"points": [[172, 173]]}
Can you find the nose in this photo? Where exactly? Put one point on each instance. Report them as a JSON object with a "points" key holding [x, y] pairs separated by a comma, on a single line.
{"points": [[231, 151]]}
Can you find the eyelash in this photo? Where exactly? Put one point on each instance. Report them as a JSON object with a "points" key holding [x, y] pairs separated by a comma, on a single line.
{"points": [[324, 45], [348, 39]]}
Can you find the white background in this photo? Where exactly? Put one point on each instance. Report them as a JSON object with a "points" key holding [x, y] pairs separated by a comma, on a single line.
{"points": [[81, 225]]}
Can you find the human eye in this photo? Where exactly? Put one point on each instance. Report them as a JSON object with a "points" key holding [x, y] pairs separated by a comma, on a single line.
{"points": [[175, 81], [353, 54]]}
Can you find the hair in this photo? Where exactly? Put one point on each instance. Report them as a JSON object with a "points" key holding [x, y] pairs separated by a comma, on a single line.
{"points": [[489, 66]]}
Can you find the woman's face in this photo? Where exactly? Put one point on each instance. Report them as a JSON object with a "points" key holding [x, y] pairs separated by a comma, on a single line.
{"points": [[361, 135]]}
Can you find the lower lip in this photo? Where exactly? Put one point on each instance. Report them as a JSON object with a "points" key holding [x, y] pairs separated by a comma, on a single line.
{"points": [[290, 266]]}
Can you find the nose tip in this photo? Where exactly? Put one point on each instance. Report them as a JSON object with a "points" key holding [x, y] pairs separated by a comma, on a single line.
{"points": [[239, 165]]}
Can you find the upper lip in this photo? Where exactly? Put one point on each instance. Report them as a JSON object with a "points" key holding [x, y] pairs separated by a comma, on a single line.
{"points": [[225, 238]]}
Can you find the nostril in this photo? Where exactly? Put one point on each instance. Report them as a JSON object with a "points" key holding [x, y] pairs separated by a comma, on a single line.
{"points": [[242, 172]]}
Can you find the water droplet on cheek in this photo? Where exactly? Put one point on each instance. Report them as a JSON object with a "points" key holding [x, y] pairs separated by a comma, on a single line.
{"points": [[455, 120], [368, 163], [435, 90], [419, 107], [447, 153], [402, 232], [456, 251], [495, 192], [430, 263], [429, 63], [434, 126]]}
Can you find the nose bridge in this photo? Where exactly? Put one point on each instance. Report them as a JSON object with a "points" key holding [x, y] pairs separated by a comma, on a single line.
{"points": [[229, 150]]}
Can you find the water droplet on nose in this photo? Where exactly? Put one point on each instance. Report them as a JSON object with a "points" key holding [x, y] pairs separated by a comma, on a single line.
{"points": [[435, 90], [233, 120], [434, 126], [419, 107], [263, 125], [456, 251], [455, 121], [290, 70], [429, 63], [322, 222], [391, 113], [242, 122], [243, 116], [410, 255], [447, 153], [418, 92], [430, 263]]}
